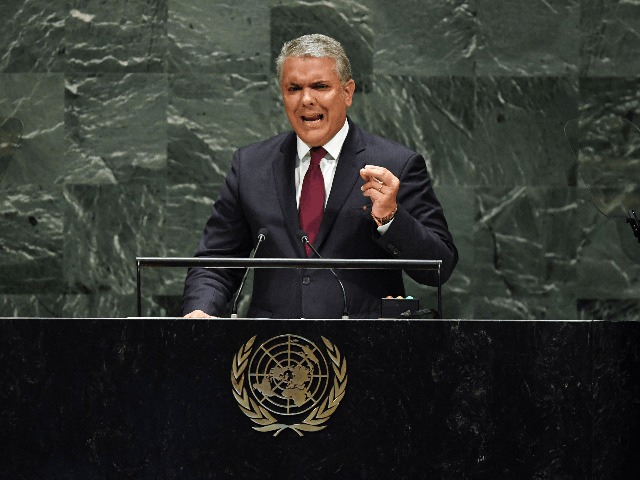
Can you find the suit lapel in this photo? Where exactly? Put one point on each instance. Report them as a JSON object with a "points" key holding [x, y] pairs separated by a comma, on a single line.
{"points": [[284, 179], [347, 174]]}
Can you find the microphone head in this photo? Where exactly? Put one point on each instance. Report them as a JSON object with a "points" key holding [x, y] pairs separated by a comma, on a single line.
{"points": [[302, 236], [263, 231]]}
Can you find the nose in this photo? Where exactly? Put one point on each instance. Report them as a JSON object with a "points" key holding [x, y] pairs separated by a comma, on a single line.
{"points": [[307, 96]]}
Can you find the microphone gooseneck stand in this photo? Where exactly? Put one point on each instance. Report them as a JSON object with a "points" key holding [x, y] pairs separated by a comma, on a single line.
{"points": [[262, 234], [304, 238]]}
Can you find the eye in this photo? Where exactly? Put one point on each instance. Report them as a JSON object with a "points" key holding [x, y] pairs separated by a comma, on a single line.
{"points": [[293, 88]]}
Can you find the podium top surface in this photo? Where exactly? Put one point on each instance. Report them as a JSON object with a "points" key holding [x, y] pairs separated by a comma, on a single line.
{"points": [[437, 320]]}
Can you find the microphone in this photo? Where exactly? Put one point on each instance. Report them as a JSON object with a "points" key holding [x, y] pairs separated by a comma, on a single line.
{"points": [[262, 235], [304, 238]]}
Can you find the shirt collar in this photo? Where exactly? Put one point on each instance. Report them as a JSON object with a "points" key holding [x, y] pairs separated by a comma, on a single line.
{"points": [[333, 146]]}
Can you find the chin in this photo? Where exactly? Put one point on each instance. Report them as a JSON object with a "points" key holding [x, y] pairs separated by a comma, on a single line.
{"points": [[313, 139]]}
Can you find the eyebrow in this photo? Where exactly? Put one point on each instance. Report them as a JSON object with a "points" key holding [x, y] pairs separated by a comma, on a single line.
{"points": [[316, 82]]}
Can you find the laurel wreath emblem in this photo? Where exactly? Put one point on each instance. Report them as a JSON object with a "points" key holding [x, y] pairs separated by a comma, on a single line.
{"points": [[260, 415]]}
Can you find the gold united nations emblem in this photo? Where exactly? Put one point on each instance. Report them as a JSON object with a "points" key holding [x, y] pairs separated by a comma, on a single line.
{"points": [[288, 376]]}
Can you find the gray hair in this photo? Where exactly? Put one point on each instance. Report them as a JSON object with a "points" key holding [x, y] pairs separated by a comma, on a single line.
{"points": [[318, 46]]}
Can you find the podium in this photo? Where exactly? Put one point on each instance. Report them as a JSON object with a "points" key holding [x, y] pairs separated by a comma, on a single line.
{"points": [[446, 399]]}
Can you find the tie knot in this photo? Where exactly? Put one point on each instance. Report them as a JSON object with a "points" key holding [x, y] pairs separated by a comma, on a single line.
{"points": [[317, 154]]}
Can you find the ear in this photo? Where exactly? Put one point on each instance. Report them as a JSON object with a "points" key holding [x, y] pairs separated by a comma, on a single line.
{"points": [[347, 92]]}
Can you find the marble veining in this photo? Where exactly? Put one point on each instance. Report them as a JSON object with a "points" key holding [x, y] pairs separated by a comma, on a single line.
{"points": [[132, 110]]}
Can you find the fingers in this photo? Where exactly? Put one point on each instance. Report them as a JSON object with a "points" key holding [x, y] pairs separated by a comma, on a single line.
{"points": [[377, 194], [371, 172], [374, 194], [373, 185], [374, 175], [198, 314], [382, 187]]}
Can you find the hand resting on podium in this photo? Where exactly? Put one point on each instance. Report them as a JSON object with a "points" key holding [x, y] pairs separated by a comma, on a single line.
{"points": [[199, 314]]}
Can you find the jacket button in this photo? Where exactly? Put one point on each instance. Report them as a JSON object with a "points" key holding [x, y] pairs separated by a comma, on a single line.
{"points": [[306, 280], [393, 249]]}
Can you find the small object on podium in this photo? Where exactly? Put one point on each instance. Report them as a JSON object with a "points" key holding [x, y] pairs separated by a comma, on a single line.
{"points": [[423, 314], [394, 307]]}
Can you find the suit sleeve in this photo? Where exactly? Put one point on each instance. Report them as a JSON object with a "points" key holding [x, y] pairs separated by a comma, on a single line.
{"points": [[419, 230], [226, 234]]}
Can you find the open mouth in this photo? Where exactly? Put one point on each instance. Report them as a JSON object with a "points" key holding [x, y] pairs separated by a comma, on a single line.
{"points": [[312, 118]]}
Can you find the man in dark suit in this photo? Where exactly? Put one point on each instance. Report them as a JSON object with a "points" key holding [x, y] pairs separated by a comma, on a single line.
{"points": [[356, 195]]}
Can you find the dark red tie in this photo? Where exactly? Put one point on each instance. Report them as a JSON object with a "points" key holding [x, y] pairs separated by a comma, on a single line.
{"points": [[312, 197]]}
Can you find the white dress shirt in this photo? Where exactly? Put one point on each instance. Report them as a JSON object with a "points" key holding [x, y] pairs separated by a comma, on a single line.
{"points": [[328, 165]]}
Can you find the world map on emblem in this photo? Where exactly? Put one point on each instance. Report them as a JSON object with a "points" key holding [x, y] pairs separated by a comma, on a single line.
{"points": [[288, 375]]}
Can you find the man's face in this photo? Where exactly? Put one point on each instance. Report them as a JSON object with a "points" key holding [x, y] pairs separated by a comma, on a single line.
{"points": [[314, 100]]}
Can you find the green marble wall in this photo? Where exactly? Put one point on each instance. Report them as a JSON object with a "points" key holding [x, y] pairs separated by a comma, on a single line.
{"points": [[132, 109]]}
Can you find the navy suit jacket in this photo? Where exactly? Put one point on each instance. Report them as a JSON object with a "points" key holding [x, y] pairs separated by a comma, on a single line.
{"points": [[259, 191]]}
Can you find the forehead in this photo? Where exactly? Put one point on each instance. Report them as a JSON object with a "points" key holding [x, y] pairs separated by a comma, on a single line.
{"points": [[309, 69]]}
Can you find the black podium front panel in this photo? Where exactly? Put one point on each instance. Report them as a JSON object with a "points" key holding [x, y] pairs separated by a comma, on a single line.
{"points": [[153, 399]]}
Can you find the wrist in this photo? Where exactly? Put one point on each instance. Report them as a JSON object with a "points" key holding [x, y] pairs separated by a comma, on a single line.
{"points": [[380, 221]]}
